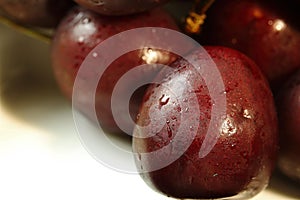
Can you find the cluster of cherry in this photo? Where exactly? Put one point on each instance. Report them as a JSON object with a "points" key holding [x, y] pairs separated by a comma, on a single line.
{"points": [[257, 56]]}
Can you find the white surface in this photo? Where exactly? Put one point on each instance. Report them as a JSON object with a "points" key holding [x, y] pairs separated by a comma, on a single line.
{"points": [[40, 154]]}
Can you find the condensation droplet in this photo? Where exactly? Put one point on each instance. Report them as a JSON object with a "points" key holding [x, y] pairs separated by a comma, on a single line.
{"points": [[138, 116], [178, 109], [81, 39], [163, 100], [86, 20], [228, 127], [213, 102], [232, 114], [95, 55], [170, 133], [247, 114]]}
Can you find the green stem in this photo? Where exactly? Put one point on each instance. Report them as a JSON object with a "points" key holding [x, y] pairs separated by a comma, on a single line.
{"points": [[44, 35]]}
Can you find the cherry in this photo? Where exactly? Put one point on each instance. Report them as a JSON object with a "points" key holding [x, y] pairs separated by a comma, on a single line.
{"points": [[241, 161], [44, 13], [80, 32], [119, 7], [266, 31], [288, 105]]}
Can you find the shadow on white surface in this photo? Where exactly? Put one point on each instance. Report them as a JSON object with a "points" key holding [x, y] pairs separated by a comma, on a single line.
{"points": [[28, 90]]}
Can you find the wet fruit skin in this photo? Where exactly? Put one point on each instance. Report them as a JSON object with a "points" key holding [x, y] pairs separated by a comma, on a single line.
{"points": [[44, 13], [79, 33], [243, 157], [266, 31], [119, 7], [288, 105]]}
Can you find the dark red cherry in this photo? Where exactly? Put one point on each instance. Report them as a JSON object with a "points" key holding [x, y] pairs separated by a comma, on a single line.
{"points": [[266, 31], [119, 7], [80, 32], [177, 113], [44, 13], [288, 104]]}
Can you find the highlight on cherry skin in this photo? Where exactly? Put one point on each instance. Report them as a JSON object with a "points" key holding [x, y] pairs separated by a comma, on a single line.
{"points": [[240, 163]]}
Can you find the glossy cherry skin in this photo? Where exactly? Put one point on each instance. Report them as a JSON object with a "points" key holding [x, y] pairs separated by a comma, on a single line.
{"points": [[266, 31], [288, 104], [80, 32], [119, 7], [242, 159], [43, 13]]}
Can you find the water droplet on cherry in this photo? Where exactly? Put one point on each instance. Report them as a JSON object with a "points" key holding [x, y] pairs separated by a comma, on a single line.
{"points": [[163, 100]]}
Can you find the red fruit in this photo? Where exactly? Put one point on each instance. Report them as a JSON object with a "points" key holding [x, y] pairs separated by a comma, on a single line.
{"points": [[288, 104], [266, 31], [44, 13], [119, 7], [242, 159], [80, 32]]}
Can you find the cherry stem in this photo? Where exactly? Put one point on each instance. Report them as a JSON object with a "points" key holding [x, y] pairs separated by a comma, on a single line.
{"points": [[44, 35], [197, 15]]}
